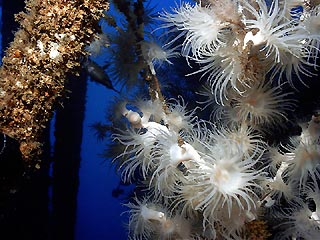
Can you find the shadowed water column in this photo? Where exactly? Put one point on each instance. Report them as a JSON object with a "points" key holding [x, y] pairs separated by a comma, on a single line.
{"points": [[66, 159]]}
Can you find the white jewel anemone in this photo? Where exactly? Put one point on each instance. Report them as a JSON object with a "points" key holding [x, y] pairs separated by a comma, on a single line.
{"points": [[275, 33], [148, 220], [138, 146], [223, 179], [222, 68], [144, 218], [155, 55], [200, 25], [262, 104]]}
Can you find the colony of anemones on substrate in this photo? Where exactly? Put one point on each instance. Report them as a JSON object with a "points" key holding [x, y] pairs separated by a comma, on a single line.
{"points": [[208, 179]]}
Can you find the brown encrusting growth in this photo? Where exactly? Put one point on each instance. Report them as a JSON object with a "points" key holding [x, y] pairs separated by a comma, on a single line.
{"points": [[48, 46], [257, 230]]}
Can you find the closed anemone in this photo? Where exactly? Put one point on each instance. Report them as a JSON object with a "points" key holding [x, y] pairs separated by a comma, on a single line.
{"points": [[148, 220], [144, 217]]}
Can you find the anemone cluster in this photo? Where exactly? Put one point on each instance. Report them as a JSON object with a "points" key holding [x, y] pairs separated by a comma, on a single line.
{"points": [[226, 177]]}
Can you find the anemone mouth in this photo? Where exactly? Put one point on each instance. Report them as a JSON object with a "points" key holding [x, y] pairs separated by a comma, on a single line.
{"points": [[226, 177], [256, 99], [254, 109]]}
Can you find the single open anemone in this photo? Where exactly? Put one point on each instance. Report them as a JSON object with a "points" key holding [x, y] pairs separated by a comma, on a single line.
{"points": [[286, 43], [224, 68], [138, 146], [174, 154], [262, 104], [238, 137], [200, 26], [272, 32], [171, 155], [223, 179], [155, 55]]}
